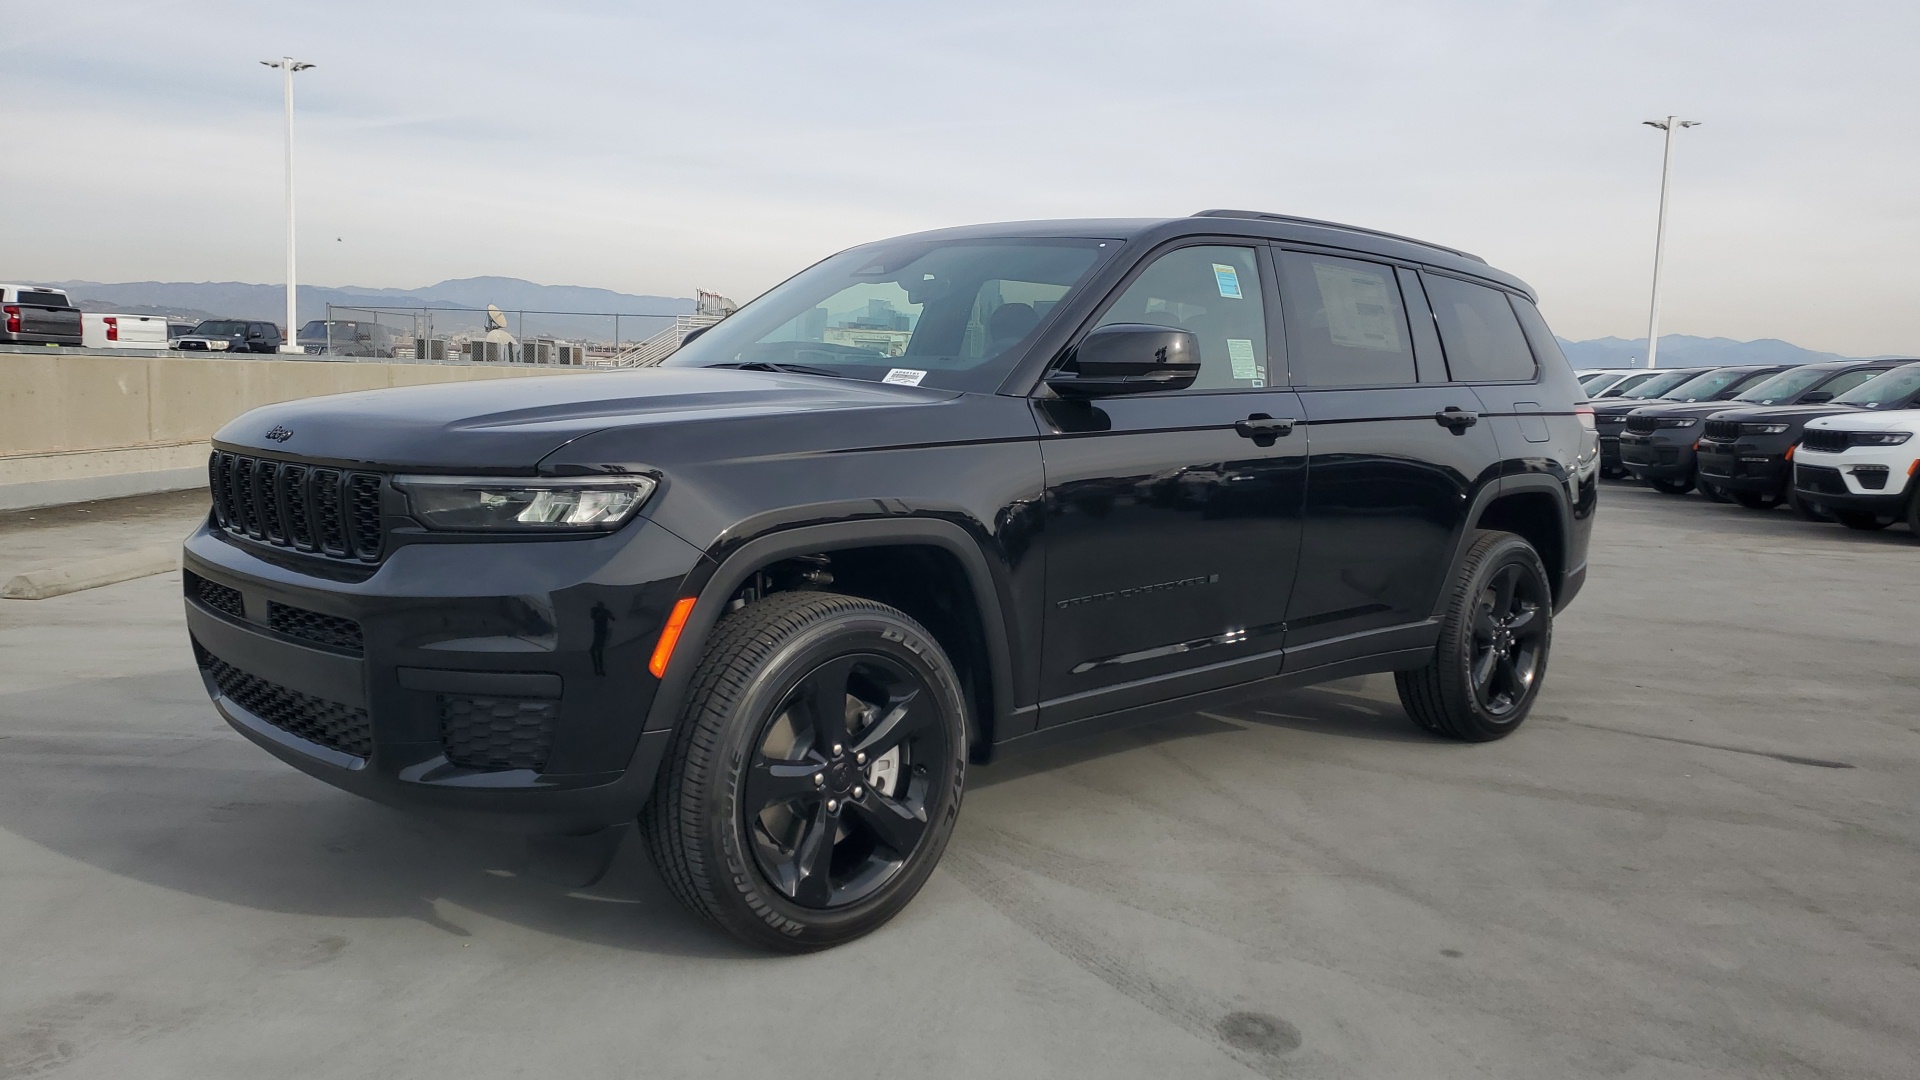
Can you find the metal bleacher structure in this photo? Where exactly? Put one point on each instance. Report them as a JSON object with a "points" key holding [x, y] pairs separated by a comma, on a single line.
{"points": [[709, 308]]}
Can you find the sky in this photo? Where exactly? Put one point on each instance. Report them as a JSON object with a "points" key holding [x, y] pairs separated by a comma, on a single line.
{"points": [[662, 147]]}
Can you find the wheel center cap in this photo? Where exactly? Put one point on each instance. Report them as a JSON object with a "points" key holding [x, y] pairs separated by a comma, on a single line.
{"points": [[840, 775]]}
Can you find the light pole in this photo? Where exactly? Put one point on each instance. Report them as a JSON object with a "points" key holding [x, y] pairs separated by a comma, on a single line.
{"points": [[288, 65], [1670, 125]]}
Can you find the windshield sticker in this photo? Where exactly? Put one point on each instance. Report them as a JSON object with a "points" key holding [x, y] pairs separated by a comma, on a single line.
{"points": [[1360, 312], [904, 376], [1228, 279], [1240, 352]]}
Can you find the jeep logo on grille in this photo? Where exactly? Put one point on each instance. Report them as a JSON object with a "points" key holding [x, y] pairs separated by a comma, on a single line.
{"points": [[279, 434]]}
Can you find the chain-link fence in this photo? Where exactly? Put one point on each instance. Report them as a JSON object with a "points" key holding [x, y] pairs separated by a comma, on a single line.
{"points": [[494, 335]]}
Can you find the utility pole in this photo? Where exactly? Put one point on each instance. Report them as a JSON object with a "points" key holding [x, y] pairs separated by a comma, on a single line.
{"points": [[1670, 125], [288, 65]]}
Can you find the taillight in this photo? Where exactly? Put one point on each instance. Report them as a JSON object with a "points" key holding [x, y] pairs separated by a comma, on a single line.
{"points": [[113, 328], [13, 318], [1585, 415]]}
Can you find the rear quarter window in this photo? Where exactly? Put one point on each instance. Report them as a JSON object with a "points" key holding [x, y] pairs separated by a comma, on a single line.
{"points": [[1480, 332]]}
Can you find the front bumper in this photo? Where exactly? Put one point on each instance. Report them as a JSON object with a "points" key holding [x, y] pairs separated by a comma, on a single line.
{"points": [[1875, 481], [1744, 465], [504, 683], [1666, 454]]}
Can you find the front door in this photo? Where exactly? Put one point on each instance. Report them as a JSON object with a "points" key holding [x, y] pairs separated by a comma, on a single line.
{"points": [[1170, 535]]}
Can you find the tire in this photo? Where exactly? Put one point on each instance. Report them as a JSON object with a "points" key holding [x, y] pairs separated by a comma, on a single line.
{"points": [[1863, 520], [1757, 500], [739, 824], [1913, 512], [1713, 492], [1810, 511], [1670, 487], [1502, 587]]}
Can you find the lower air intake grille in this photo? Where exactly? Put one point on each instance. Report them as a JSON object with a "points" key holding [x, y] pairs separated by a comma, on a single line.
{"points": [[329, 723], [330, 630], [497, 732], [216, 596], [1818, 478]]}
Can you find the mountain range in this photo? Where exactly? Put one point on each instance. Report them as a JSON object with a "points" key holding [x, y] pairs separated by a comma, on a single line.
{"points": [[235, 299]]}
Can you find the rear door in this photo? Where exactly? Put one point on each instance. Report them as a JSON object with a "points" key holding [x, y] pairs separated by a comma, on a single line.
{"points": [[1171, 536], [1396, 455]]}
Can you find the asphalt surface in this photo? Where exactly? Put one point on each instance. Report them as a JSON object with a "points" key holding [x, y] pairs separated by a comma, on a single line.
{"points": [[1698, 859]]}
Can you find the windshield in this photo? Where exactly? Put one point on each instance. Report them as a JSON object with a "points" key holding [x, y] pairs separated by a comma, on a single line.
{"points": [[1709, 386], [1784, 386], [219, 328], [1659, 384], [318, 329], [1620, 388], [952, 314], [1895, 387], [1603, 378]]}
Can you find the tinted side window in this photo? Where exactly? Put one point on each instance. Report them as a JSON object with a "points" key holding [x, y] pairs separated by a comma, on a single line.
{"points": [[1346, 324], [1478, 329], [1215, 292]]}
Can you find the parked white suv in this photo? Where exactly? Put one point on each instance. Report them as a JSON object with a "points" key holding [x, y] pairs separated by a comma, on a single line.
{"points": [[1862, 468]]}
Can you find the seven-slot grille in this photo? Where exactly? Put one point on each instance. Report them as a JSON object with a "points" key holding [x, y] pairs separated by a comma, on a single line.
{"points": [[288, 504], [1642, 425], [1721, 430], [1826, 440]]}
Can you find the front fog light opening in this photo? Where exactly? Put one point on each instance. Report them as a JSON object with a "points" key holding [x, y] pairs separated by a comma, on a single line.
{"points": [[503, 504]]}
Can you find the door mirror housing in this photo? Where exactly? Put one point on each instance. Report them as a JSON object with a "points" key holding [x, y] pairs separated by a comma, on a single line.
{"points": [[1129, 358]]}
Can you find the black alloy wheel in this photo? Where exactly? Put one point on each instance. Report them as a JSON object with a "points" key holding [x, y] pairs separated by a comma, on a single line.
{"points": [[816, 773], [1863, 520], [1758, 500], [1494, 641]]}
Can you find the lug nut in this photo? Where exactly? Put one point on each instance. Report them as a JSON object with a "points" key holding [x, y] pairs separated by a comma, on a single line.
{"points": [[859, 759], [858, 792], [833, 806], [819, 779], [838, 749]]}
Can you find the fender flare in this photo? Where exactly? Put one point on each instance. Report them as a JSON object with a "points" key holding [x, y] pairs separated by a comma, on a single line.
{"points": [[1489, 493], [713, 581]]}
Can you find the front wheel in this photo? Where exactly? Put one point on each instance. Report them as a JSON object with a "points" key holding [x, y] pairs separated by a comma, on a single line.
{"points": [[1757, 500], [1864, 520], [1669, 487], [1492, 655], [816, 773]]}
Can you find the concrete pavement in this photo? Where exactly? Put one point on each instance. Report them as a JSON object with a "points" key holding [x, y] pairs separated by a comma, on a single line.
{"points": [[1698, 859]]}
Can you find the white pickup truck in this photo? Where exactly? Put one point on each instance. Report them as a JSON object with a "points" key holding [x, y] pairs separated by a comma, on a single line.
{"points": [[123, 331]]}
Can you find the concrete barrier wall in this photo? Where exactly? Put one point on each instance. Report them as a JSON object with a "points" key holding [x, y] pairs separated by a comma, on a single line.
{"points": [[83, 426]]}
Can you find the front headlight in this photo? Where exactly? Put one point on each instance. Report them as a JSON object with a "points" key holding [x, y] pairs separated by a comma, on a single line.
{"points": [[1676, 421], [1762, 429], [1880, 438], [506, 504]]}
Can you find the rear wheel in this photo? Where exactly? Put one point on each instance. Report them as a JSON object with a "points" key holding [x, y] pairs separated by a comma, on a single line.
{"points": [[816, 773], [1757, 500], [1670, 487], [1492, 655], [1864, 520]]}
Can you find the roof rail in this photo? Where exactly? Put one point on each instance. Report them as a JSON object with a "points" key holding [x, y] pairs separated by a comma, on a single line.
{"points": [[1256, 215]]}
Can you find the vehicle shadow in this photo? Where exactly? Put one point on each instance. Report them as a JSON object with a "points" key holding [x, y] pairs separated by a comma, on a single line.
{"points": [[187, 805]]}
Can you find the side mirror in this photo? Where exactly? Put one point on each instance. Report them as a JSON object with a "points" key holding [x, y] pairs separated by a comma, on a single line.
{"points": [[1129, 358], [1816, 397]]}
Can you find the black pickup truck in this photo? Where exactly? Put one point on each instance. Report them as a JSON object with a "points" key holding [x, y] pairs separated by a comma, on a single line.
{"points": [[930, 500]]}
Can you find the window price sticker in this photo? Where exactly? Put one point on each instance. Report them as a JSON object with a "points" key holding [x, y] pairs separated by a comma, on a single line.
{"points": [[1228, 279]]}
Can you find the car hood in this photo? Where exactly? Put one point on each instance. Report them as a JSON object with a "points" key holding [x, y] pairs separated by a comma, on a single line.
{"points": [[1787, 414], [1677, 408], [510, 424], [1867, 420]]}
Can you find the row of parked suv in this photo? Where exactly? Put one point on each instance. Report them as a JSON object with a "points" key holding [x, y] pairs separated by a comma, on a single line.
{"points": [[1836, 440]]}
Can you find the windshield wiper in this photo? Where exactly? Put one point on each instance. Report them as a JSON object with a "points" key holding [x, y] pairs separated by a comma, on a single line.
{"points": [[768, 365]]}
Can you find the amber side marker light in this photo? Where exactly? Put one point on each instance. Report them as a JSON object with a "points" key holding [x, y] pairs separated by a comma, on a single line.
{"points": [[670, 636], [1791, 449]]}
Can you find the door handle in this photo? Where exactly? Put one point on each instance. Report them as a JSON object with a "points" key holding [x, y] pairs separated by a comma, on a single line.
{"points": [[1263, 429], [1456, 419]]}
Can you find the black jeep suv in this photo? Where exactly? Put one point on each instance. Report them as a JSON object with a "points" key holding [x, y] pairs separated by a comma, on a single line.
{"points": [[1610, 413], [1748, 451], [932, 499]]}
